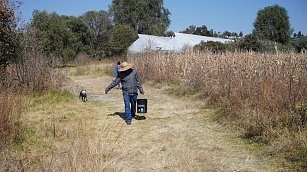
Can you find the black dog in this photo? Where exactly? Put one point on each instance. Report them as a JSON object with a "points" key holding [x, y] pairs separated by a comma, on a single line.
{"points": [[82, 95]]}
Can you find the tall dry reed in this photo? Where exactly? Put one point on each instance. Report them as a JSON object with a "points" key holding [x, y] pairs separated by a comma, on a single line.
{"points": [[270, 89], [11, 106], [264, 94]]}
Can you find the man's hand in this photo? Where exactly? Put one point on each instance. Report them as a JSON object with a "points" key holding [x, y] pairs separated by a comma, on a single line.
{"points": [[142, 92]]}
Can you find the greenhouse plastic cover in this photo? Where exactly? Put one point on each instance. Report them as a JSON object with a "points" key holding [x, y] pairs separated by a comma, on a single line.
{"points": [[177, 43]]}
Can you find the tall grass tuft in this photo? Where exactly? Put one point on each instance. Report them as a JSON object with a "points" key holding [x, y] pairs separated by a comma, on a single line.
{"points": [[11, 106]]}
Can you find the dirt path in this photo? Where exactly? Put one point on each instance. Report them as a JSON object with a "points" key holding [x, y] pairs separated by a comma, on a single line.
{"points": [[175, 135]]}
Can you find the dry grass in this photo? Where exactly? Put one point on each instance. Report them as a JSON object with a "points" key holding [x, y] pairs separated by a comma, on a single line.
{"points": [[82, 59], [58, 135], [33, 73], [264, 94], [94, 68], [82, 70], [11, 106], [62, 133]]}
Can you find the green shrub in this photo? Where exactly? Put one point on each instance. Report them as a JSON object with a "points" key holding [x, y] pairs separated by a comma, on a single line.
{"points": [[214, 47], [300, 44]]}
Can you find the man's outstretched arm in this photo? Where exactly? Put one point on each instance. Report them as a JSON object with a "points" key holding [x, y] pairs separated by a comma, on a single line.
{"points": [[112, 85]]}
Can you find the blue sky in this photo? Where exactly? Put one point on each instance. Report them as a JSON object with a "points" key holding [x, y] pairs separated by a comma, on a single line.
{"points": [[219, 15]]}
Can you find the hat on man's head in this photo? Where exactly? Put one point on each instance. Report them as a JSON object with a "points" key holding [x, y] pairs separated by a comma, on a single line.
{"points": [[125, 66]]}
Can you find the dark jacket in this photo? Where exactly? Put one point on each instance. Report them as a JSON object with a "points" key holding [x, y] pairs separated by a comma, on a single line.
{"points": [[130, 82]]}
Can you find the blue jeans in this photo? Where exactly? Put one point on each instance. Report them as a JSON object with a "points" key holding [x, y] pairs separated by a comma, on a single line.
{"points": [[130, 99]]}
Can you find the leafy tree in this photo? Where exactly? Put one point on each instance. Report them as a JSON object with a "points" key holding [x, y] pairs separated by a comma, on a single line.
{"points": [[215, 34], [203, 30], [211, 32], [241, 34], [54, 33], [82, 34], [101, 24], [144, 16], [299, 34], [190, 30], [226, 34], [234, 34], [99, 21], [121, 38], [62, 36], [272, 23], [9, 37], [170, 34], [251, 43]]}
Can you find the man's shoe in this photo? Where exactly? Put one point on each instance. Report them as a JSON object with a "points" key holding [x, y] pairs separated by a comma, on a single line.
{"points": [[128, 122]]}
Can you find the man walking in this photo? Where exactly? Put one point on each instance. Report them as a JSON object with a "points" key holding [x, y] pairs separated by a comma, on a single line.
{"points": [[130, 81]]}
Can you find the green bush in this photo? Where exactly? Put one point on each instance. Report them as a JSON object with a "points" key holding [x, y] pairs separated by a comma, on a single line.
{"points": [[214, 47], [299, 43]]}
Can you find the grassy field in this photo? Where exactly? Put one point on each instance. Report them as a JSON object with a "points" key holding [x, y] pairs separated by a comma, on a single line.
{"points": [[61, 133]]}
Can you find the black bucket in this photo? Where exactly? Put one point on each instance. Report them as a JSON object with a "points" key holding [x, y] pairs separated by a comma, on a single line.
{"points": [[141, 105]]}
